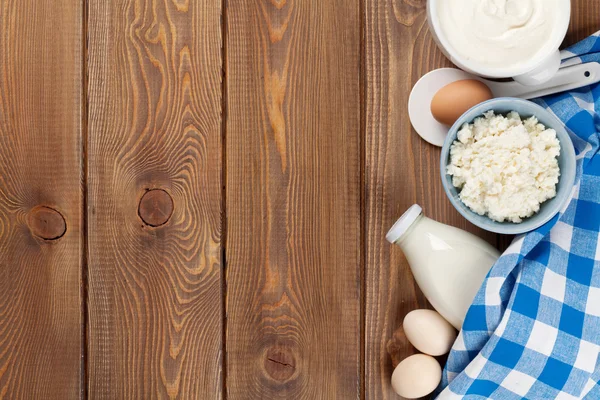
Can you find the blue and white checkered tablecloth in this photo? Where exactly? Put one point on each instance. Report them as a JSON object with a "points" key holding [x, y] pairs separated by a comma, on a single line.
{"points": [[533, 331]]}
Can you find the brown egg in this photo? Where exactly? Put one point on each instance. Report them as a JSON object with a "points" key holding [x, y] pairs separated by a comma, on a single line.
{"points": [[451, 101]]}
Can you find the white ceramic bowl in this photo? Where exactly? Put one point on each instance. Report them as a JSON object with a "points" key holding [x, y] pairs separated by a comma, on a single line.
{"points": [[536, 71]]}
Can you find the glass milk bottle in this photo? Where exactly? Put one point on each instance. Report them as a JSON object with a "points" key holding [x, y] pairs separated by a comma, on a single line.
{"points": [[448, 263]]}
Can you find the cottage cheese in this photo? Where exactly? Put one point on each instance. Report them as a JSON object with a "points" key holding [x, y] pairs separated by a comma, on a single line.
{"points": [[505, 167]]}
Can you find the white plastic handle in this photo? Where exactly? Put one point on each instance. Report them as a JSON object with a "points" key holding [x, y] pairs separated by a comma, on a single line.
{"points": [[566, 78], [543, 73]]}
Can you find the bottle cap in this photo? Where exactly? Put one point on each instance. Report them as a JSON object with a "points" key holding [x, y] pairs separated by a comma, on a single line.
{"points": [[403, 223]]}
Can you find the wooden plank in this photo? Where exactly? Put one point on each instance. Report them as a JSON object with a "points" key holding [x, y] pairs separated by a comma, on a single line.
{"points": [[41, 199], [585, 20], [155, 315], [293, 199], [401, 169]]}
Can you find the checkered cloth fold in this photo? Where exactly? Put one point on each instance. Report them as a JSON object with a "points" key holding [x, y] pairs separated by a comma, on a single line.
{"points": [[533, 331]]}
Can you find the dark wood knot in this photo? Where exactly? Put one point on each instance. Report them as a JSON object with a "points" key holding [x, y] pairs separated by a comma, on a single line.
{"points": [[280, 363], [398, 346], [156, 207], [46, 223]]}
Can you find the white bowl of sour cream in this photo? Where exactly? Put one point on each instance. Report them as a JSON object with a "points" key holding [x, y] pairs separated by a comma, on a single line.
{"points": [[517, 39]]}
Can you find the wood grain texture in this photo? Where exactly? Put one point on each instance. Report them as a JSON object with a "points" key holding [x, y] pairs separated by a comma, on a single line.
{"points": [[585, 20], [293, 199], [155, 315], [41, 80], [401, 169]]}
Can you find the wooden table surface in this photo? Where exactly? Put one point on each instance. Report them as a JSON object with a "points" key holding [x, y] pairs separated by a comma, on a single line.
{"points": [[194, 195]]}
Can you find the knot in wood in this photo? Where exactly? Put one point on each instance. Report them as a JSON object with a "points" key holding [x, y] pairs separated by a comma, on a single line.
{"points": [[280, 363], [46, 223], [156, 207]]}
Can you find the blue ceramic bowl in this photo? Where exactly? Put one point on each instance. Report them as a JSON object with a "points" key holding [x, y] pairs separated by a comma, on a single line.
{"points": [[566, 162]]}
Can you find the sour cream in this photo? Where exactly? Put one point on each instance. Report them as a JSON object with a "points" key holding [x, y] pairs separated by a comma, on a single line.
{"points": [[502, 34]]}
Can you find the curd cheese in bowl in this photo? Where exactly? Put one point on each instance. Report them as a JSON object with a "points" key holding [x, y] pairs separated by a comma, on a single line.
{"points": [[505, 166], [508, 160]]}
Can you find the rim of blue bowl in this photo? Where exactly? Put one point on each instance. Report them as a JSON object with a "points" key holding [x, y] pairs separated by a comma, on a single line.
{"points": [[510, 228]]}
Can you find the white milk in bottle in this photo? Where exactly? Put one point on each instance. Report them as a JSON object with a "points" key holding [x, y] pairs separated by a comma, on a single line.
{"points": [[448, 263]]}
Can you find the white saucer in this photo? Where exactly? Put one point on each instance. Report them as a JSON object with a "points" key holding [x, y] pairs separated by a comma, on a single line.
{"points": [[419, 103]]}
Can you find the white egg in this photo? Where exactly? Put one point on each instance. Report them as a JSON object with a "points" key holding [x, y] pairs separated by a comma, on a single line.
{"points": [[429, 332], [416, 376]]}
